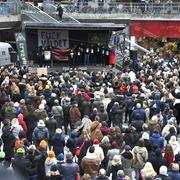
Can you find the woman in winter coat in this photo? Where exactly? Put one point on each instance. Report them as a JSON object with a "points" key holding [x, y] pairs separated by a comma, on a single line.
{"points": [[175, 145], [127, 160], [140, 156], [115, 166], [148, 171], [169, 154], [49, 162]]}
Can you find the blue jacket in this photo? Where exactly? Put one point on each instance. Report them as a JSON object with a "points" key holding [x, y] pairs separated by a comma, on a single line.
{"points": [[157, 139], [174, 175], [138, 114]]}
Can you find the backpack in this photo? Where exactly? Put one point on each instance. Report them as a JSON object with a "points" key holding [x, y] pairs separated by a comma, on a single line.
{"points": [[10, 111], [19, 143], [40, 134]]}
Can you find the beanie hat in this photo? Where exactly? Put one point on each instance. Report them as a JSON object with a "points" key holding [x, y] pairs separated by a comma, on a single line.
{"points": [[96, 141], [60, 157], [2, 155], [51, 154], [43, 144], [40, 123], [20, 150], [127, 147], [58, 131], [163, 170], [145, 135], [175, 167], [114, 145]]}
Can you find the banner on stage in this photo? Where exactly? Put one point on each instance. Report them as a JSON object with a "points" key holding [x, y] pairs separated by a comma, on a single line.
{"points": [[53, 38]]}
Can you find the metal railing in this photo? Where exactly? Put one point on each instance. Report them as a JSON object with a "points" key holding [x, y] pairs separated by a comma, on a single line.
{"points": [[133, 9], [9, 8], [36, 13]]}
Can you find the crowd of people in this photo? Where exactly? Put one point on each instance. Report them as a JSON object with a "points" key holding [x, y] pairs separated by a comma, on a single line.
{"points": [[81, 125]]}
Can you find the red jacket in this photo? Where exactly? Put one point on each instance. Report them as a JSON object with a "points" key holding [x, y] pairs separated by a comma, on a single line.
{"points": [[22, 122]]}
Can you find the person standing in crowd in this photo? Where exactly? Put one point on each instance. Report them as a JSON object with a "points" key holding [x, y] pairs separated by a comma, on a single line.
{"points": [[57, 111], [69, 166], [91, 163], [140, 156], [40, 133]]}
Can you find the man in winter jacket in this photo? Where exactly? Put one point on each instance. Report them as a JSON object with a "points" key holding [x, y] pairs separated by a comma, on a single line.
{"points": [[103, 115], [157, 139], [20, 164], [102, 175], [138, 114], [58, 142], [69, 169], [41, 132], [90, 163]]}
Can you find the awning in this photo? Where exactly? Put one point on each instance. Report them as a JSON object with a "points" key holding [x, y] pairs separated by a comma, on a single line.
{"points": [[74, 26]]}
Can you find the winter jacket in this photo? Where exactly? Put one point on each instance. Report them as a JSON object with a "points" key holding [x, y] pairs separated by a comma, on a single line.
{"points": [[22, 122], [140, 156], [103, 115], [157, 162], [138, 114], [157, 139], [90, 165], [49, 162], [40, 133], [57, 111], [20, 165], [163, 177], [75, 114], [67, 167], [58, 143], [98, 151], [9, 141], [32, 168], [41, 114], [127, 161], [174, 175], [51, 124]]}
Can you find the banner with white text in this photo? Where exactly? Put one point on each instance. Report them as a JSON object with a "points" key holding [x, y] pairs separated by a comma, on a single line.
{"points": [[53, 39]]}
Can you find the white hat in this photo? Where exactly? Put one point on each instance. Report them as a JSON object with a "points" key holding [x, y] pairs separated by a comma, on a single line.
{"points": [[14, 122], [43, 101], [53, 94], [116, 160], [41, 123], [16, 104], [154, 118], [58, 131], [41, 106], [145, 135], [163, 170]]}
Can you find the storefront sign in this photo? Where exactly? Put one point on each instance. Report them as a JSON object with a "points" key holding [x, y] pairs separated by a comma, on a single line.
{"points": [[155, 29], [56, 39]]}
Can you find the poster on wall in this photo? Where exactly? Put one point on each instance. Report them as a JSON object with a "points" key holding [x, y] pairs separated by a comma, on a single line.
{"points": [[53, 39], [22, 48]]}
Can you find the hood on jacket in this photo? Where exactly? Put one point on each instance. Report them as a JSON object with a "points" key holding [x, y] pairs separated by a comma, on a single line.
{"points": [[50, 161], [155, 135]]}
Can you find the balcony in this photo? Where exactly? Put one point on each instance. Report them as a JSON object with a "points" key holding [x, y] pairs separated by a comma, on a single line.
{"points": [[117, 10]]}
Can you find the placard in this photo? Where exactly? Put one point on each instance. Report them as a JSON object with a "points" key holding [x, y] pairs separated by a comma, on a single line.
{"points": [[55, 39], [41, 71]]}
